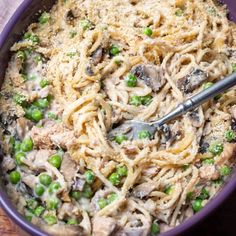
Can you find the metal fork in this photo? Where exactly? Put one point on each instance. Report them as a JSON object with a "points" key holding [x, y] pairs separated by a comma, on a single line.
{"points": [[132, 128]]}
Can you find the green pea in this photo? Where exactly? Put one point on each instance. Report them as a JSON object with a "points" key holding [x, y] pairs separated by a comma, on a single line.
{"points": [[118, 62], [36, 114], [102, 202], [87, 191], [29, 217], [144, 134], [73, 34], [44, 18], [72, 222], [24, 77], [53, 187], [39, 190], [45, 179], [114, 178], [189, 196], [27, 145], [71, 54], [114, 50], [41, 103], [52, 116], [17, 146], [86, 24], [37, 59], [32, 37], [207, 85], [234, 67], [21, 55], [168, 189], [185, 167], [122, 171], [208, 161], [89, 176], [55, 161], [39, 210], [225, 170], [218, 181], [155, 229], [19, 157], [32, 204], [15, 177], [50, 219], [211, 11], [197, 205], [135, 100], [76, 195], [111, 197], [19, 99], [146, 100], [229, 135], [43, 83], [179, 12], [52, 203], [148, 31], [131, 80], [120, 138], [216, 148], [204, 194]]}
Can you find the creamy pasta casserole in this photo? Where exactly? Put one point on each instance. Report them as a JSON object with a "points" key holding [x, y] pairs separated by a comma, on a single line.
{"points": [[84, 68]]}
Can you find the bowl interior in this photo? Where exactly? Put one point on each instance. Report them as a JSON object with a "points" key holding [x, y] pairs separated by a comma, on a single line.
{"points": [[27, 13]]}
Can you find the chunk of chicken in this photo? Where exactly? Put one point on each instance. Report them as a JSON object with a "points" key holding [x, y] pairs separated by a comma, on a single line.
{"points": [[228, 153], [209, 172], [68, 167], [51, 135], [103, 226]]}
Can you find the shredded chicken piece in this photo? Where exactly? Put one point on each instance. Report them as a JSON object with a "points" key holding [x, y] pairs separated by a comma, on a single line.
{"points": [[209, 172], [103, 226]]}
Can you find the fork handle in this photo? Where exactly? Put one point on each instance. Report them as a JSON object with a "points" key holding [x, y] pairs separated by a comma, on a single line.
{"points": [[198, 99]]}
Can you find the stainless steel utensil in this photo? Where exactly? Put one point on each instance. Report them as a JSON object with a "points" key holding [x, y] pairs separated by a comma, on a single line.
{"points": [[132, 128]]}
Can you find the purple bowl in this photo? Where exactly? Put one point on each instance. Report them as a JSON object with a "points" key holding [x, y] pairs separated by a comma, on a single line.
{"points": [[28, 12]]}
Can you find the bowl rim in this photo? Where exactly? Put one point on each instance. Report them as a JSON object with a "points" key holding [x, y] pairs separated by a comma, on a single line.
{"points": [[14, 215]]}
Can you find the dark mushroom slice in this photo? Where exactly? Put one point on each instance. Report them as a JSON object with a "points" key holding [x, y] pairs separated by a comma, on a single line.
{"points": [[192, 81], [152, 76], [97, 55], [89, 70], [233, 124], [203, 146], [143, 190], [70, 16], [195, 118]]}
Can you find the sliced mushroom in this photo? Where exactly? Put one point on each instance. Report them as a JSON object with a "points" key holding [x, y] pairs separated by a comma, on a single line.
{"points": [[143, 190], [203, 147], [233, 124], [193, 80], [97, 55], [70, 16], [152, 76], [195, 118], [89, 70]]}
